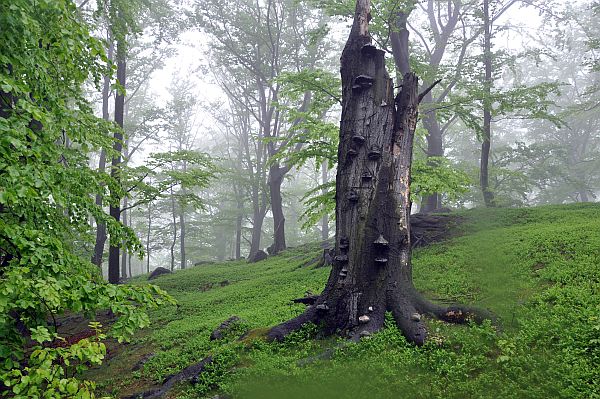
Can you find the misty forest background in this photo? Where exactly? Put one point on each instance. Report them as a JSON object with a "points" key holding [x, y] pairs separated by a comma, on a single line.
{"points": [[253, 91], [137, 134]]}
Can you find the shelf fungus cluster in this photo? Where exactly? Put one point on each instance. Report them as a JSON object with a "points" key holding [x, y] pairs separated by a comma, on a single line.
{"points": [[374, 154], [370, 50], [362, 82], [382, 247], [342, 258]]}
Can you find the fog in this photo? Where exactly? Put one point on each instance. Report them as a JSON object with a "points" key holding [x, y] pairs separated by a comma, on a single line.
{"points": [[254, 89]]}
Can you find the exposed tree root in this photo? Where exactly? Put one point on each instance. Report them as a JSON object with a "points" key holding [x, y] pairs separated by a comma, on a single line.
{"points": [[407, 310]]}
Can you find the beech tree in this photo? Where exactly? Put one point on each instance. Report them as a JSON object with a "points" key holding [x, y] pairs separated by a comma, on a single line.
{"points": [[47, 130], [253, 43], [372, 269]]}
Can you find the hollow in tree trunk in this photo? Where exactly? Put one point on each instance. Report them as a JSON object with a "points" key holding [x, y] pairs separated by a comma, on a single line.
{"points": [[372, 266]]}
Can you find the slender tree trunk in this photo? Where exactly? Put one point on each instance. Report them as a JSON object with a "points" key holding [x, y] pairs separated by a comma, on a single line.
{"points": [[129, 257], [182, 239], [275, 181], [488, 195], [148, 237], [238, 230], [372, 270], [435, 148], [174, 242], [257, 222], [115, 209], [325, 219], [101, 227], [398, 37], [125, 217]]}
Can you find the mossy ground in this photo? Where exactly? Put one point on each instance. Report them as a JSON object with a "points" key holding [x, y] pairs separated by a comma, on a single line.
{"points": [[537, 269]]}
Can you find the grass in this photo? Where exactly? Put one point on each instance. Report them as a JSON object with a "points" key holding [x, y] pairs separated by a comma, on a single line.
{"points": [[538, 269]]}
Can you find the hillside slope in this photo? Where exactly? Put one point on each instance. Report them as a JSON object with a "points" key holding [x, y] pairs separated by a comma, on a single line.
{"points": [[537, 269]]}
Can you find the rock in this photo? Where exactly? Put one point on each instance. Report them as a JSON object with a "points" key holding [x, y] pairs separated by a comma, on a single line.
{"points": [[415, 317], [159, 271], [364, 333], [258, 256], [220, 331], [370, 309], [364, 319]]}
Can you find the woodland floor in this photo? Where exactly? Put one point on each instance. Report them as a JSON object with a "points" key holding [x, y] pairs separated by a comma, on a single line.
{"points": [[537, 269]]}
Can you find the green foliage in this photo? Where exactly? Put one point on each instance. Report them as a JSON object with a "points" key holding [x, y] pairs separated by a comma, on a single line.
{"points": [[521, 102], [319, 201], [314, 137], [47, 190], [535, 268], [163, 171], [437, 175]]}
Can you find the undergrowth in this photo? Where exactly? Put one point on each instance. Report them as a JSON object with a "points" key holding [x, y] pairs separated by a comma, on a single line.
{"points": [[537, 269]]}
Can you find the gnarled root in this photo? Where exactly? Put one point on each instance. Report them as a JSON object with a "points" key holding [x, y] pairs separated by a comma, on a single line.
{"points": [[407, 310]]}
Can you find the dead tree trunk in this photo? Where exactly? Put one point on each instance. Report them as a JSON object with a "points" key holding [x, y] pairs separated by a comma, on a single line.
{"points": [[372, 270]]}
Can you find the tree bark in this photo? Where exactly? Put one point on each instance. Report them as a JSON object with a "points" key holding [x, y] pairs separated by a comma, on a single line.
{"points": [[182, 240], [372, 270], [182, 256], [257, 222], [115, 208], [325, 218], [148, 237], [101, 227], [174, 219], [238, 229], [488, 195], [399, 40], [275, 181], [124, 252]]}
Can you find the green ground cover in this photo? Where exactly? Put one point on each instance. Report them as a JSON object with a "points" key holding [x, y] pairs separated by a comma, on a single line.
{"points": [[537, 269]]}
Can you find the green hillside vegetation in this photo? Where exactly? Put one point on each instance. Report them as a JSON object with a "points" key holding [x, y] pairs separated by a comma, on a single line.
{"points": [[537, 269]]}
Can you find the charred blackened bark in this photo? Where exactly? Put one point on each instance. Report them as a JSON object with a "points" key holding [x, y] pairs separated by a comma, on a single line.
{"points": [[372, 270]]}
